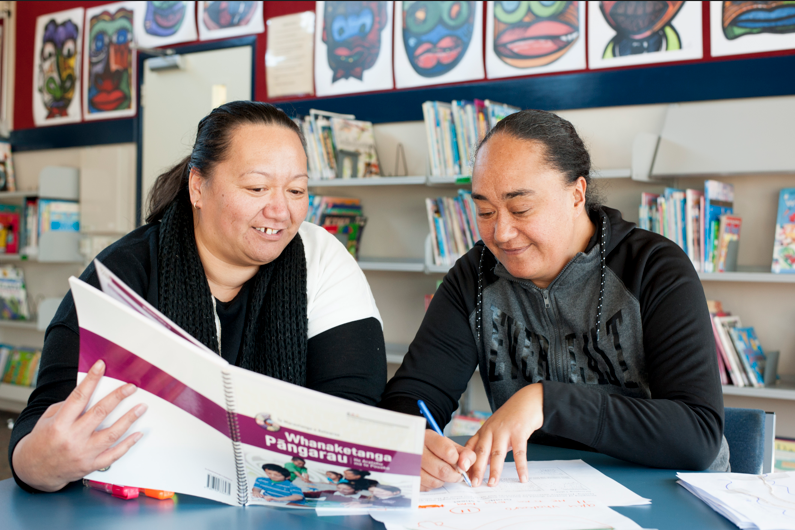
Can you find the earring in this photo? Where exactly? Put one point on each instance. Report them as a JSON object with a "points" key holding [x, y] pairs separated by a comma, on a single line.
{"points": [[194, 205]]}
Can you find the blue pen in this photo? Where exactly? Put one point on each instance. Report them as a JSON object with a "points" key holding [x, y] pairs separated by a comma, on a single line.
{"points": [[427, 414]]}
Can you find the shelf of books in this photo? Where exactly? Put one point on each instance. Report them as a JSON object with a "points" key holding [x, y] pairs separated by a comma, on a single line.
{"points": [[749, 276], [369, 181]]}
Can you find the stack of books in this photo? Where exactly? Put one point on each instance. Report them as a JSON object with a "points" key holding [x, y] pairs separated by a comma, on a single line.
{"points": [[453, 131], [741, 360], [13, 294], [341, 216], [454, 230], [19, 366], [701, 222], [339, 146]]}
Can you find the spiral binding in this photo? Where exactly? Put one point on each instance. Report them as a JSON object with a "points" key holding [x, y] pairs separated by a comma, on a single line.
{"points": [[234, 431]]}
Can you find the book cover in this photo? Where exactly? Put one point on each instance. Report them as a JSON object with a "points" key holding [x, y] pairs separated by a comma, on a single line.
{"points": [[718, 200], [750, 351], [10, 220], [728, 243], [784, 245], [13, 294], [355, 147], [214, 430]]}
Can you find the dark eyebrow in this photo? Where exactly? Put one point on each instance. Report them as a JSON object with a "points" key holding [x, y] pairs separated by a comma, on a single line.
{"points": [[517, 193], [478, 197]]}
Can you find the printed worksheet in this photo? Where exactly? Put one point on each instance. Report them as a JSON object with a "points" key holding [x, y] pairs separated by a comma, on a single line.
{"points": [[570, 480], [547, 515]]}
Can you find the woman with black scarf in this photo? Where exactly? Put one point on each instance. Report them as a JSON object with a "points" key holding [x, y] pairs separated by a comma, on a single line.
{"points": [[224, 255]]}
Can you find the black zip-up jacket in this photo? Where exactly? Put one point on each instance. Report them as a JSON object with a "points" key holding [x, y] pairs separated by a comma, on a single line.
{"points": [[645, 388]]}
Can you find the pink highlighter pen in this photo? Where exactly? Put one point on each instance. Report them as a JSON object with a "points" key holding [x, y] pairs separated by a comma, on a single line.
{"points": [[120, 492]]}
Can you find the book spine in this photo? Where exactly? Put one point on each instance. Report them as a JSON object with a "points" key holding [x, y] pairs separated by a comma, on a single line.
{"points": [[234, 432], [429, 206], [427, 113]]}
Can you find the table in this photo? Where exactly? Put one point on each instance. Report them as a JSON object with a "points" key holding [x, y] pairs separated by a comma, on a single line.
{"points": [[672, 508]]}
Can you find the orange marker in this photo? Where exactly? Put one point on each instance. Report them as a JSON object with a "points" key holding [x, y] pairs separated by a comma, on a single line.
{"points": [[158, 494]]}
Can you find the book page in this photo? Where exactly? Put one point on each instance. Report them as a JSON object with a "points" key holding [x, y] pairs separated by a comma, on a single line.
{"points": [[186, 447], [343, 448]]}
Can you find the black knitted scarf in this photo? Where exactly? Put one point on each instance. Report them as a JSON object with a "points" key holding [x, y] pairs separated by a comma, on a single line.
{"points": [[275, 331]]}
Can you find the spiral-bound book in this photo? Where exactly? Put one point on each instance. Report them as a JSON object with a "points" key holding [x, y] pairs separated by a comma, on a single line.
{"points": [[220, 432]]}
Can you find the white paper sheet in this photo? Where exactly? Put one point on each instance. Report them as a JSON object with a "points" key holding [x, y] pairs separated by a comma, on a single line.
{"points": [[453, 45], [685, 27], [109, 63], [538, 515], [161, 25], [353, 47], [222, 20], [56, 71], [562, 49], [773, 31], [766, 502], [288, 56]]}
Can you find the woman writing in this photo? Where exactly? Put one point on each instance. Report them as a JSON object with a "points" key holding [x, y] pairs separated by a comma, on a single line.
{"points": [[588, 333], [225, 255]]}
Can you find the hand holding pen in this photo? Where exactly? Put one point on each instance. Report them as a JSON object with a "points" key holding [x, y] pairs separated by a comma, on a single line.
{"points": [[443, 460]]}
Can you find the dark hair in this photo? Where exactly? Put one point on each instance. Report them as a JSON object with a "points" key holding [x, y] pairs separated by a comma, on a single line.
{"points": [[339, 475], [212, 143], [298, 458], [359, 472], [563, 147], [278, 469]]}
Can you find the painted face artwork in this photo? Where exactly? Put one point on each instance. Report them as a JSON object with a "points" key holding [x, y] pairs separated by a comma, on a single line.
{"points": [[57, 69], [110, 76], [528, 34], [641, 27], [437, 34], [219, 15], [163, 19], [352, 33], [751, 18]]}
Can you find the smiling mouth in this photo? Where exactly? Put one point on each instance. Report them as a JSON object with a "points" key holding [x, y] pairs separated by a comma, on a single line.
{"points": [[269, 231], [536, 40]]}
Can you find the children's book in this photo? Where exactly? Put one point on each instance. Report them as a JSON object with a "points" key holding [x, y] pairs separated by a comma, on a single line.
{"points": [[718, 200], [217, 431], [355, 149], [13, 294], [692, 206], [784, 245], [722, 326], [750, 351], [728, 243]]}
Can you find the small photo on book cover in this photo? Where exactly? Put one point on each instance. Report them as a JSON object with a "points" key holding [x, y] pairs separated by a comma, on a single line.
{"points": [[355, 145], [13, 294], [784, 245]]}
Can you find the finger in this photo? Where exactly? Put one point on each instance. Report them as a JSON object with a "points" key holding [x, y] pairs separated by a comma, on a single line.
{"points": [[97, 414], [520, 456], [444, 448], [499, 450], [107, 437], [482, 449], [466, 457], [438, 468], [428, 482], [106, 458], [77, 401]]}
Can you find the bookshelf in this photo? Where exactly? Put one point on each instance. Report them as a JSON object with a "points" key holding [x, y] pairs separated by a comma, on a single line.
{"points": [[14, 394], [786, 393]]}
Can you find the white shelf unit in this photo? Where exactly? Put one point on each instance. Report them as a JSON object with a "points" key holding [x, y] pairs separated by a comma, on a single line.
{"points": [[371, 181], [14, 397], [782, 393], [31, 324], [391, 265], [753, 277]]}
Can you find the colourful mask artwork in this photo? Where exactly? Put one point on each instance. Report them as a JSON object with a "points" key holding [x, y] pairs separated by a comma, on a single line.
{"points": [[57, 72], [437, 34], [352, 33], [163, 19], [111, 64], [219, 15], [530, 34], [641, 27], [751, 18]]}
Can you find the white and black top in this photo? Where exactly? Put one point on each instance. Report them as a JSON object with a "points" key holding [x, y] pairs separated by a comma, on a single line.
{"points": [[345, 349]]}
